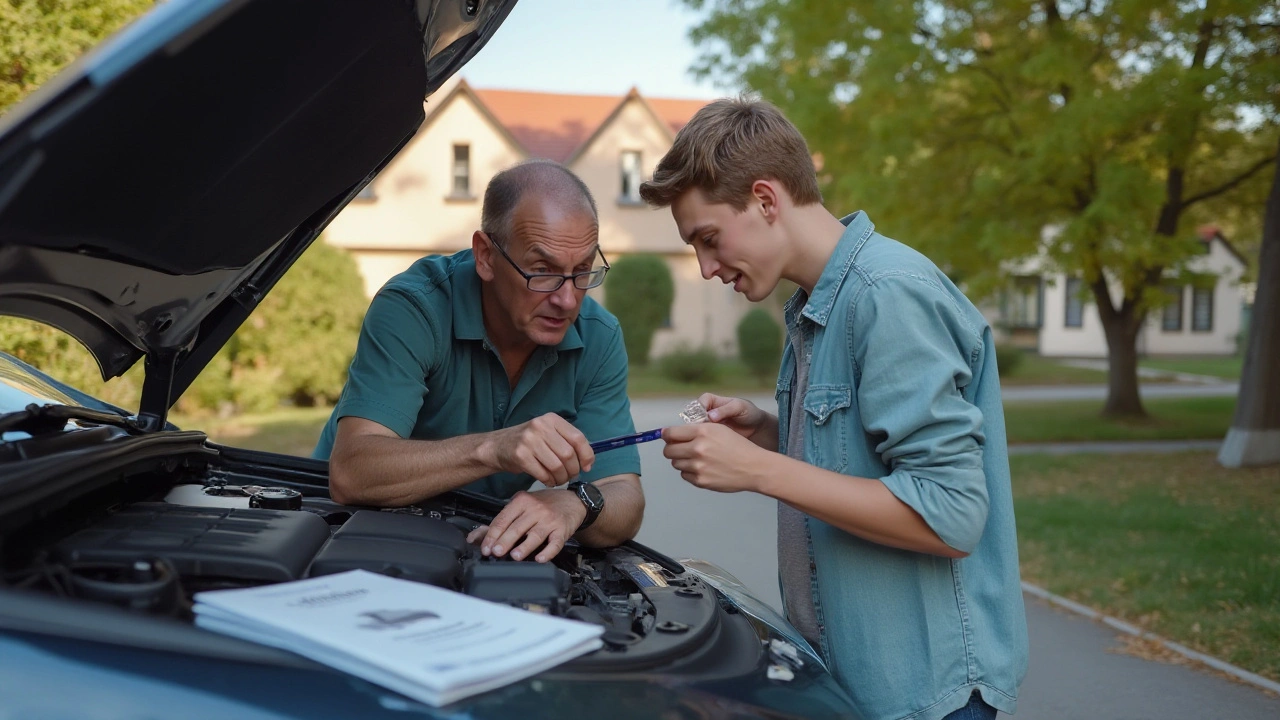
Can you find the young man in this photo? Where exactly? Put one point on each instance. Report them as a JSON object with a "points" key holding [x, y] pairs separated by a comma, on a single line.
{"points": [[896, 543], [490, 369]]}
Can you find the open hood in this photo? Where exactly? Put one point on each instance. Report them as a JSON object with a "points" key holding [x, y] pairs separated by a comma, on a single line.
{"points": [[155, 191]]}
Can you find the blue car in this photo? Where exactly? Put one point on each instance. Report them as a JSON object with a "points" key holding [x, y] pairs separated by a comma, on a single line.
{"points": [[150, 197]]}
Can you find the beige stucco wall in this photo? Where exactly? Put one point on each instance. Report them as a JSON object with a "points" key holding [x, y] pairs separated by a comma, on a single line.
{"points": [[412, 214], [704, 313]]}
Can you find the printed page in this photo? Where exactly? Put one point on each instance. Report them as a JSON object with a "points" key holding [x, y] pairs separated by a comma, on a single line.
{"points": [[407, 633]]}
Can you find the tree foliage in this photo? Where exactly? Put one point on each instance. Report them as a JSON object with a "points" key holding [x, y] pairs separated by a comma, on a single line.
{"points": [[968, 127], [760, 342], [296, 345], [40, 37], [639, 292]]}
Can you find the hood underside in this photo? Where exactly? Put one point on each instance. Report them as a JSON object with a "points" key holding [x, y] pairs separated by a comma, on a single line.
{"points": [[152, 193]]}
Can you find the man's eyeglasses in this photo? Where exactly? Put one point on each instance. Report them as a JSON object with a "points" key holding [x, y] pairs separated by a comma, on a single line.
{"points": [[551, 282]]}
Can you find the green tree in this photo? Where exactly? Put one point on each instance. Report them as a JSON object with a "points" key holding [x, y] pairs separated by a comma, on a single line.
{"points": [[639, 291], [40, 37], [296, 345], [969, 127], [760, 342]]}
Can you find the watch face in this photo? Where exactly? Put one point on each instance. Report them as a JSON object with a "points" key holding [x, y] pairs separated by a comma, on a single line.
{"points": [[591, 495]]}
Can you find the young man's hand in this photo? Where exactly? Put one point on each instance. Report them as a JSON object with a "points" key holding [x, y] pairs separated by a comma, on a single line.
{"points": [[744, 418], [528, 521], [547, 448], [714, 456]]}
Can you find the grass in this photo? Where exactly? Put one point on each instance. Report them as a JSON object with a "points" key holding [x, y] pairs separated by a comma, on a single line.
{"points": [[292, 431], [1221, 367], [731, 378], [1172, 543], [1036, 370], [1081, 421]]}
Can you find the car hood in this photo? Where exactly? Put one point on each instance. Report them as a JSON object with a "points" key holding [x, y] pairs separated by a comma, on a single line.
{"points": [[155, 191]]}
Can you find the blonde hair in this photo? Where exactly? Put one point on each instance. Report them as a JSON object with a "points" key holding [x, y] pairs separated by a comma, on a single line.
{"points": [[727, 146]]}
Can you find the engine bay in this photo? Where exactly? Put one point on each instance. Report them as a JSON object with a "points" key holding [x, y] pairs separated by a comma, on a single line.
{"points": [[150, 544]]}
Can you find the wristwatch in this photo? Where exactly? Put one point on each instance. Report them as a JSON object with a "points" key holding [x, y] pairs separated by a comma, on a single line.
{"points": [[591, 497]]}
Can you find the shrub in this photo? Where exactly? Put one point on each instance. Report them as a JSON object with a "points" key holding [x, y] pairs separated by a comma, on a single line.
{"points": [[1008, 358], [687, 365], [760, 343], [296, 345], [639, 291], [61, 356]]}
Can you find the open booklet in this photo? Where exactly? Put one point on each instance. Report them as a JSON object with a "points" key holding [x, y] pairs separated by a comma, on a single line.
{"points": [[427, 643]]}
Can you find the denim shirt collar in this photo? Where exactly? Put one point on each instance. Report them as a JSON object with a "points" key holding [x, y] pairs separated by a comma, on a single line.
{"points": [[858, 228]]}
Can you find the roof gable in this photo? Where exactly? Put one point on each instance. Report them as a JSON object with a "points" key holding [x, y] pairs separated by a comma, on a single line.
{"points": [[558, 126]]}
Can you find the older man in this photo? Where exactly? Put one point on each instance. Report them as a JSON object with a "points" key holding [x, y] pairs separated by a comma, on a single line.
{"points": [[489, 369]]}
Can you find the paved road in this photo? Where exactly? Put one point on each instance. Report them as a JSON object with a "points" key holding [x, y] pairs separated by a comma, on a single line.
{"points": [[1078, 673], [1075, 672]]}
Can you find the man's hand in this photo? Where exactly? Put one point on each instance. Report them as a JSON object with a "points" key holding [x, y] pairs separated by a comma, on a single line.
{"points": [[547, 448], [548, 516], [713, 456]]}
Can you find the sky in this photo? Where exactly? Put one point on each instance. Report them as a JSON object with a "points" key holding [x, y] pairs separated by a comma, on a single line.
{"points": [[595, 47]]}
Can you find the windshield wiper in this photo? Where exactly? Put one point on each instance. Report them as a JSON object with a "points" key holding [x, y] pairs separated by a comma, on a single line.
{"points": [[45, 419]]}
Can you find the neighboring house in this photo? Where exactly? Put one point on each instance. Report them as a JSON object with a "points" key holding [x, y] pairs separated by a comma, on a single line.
{"points": [[427, 200], [1055, 314]]}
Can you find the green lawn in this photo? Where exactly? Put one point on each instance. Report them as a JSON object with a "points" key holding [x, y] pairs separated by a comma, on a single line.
{"points": [[1222, 367], [1081, 421], [1037, 370], [1173, 543], [294, 430], [731, 378]]}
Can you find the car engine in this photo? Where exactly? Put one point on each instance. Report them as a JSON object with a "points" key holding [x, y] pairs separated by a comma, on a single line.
{"points": [[150, 544]]}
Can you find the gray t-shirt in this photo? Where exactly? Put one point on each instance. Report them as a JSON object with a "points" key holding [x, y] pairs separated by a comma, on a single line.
{"points": [[794, 565]]}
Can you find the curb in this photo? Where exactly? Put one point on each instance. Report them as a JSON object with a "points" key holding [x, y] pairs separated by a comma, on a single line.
{"points": [[1238, 673]]}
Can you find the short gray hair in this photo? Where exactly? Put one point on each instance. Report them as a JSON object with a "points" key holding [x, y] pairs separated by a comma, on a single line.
{"points": [[508, 187]]}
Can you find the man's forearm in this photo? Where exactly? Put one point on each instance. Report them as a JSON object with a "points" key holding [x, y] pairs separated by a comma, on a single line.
{"points": [[622, 514], [392, 472]]}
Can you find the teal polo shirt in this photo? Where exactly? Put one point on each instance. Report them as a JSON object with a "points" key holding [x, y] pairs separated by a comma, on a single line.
{"points": [[424, 368]]}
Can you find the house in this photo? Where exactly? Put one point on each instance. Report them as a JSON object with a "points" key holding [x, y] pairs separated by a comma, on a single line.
{"points": [[427, 200], [1055, 315]]}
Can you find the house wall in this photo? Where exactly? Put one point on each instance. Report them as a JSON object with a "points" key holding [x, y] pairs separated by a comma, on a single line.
{"points": [[1057, 340], [704, 313], [413, 213], [1227, 303]]}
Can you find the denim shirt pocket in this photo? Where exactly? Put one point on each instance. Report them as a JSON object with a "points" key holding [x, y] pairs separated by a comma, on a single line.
{"points": [[827, 435]]}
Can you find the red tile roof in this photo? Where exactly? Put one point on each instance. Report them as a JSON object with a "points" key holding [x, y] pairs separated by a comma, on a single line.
{"points": [[555, 125]]}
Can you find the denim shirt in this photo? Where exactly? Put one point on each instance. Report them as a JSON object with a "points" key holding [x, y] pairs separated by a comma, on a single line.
{"points": [[903, 387]]}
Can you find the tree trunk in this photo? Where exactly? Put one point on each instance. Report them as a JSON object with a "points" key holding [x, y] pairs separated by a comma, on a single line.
{"points": [[1254, 437], [1123, 399], [1121, 330]]}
